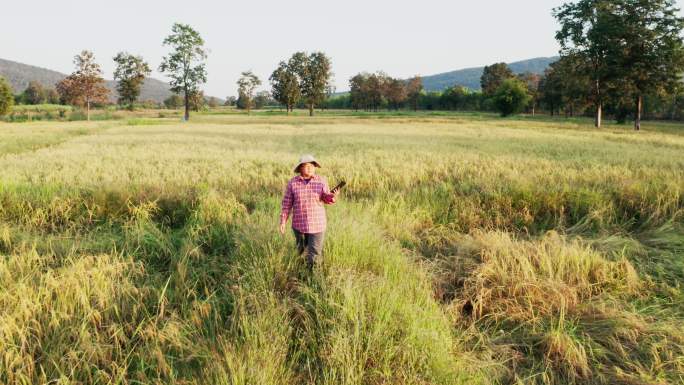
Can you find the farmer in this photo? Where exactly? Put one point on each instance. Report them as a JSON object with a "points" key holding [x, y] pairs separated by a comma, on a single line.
{"points": [[305, 195]]}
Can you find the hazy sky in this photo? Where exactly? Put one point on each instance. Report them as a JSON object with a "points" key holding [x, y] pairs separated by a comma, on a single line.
{"points": [[402, 38]]}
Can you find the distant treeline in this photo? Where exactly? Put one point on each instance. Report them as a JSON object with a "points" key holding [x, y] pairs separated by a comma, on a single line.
{"points": [[456, 98], [561, 90]]}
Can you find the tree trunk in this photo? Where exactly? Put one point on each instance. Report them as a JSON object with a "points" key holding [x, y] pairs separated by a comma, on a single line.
{"points": [[532, 109], [88, 109], [187, 106], [599, 104], [674, 107], [637, 115], [311, 109]]}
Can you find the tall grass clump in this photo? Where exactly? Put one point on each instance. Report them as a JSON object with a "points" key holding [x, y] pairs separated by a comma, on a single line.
{"points": [[384, 324], [79, 319], [559, 310]]}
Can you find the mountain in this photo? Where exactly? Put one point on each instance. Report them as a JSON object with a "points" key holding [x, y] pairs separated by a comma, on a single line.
{"points": [[470, 77], [19, 75]]}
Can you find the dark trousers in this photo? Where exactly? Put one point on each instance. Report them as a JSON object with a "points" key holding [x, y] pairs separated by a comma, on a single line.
{"points": [[311, 245]]}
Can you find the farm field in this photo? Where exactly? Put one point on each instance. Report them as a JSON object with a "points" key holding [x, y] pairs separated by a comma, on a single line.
{"points": [[465, 249]]}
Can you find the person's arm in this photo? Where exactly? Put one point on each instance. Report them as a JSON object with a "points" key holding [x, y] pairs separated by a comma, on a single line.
{"points": [[326, 196], [286, 204]]}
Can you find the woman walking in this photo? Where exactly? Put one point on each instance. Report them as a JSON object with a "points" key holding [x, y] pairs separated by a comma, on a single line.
{"points": [[305, 196]]}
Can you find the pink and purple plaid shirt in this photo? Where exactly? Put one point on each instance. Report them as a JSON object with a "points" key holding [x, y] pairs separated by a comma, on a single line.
{"points": [[306, 201]]}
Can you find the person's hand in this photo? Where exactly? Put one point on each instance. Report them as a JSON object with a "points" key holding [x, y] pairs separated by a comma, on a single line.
{"points": [[331, 197], [282, 228]]}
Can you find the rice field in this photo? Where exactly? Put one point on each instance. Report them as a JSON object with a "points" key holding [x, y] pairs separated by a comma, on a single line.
{"points": [[465, 249]]}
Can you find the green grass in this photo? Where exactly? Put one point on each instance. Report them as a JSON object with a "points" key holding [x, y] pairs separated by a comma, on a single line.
{"points": [[22, 108], [57, 112], [466, 248]]}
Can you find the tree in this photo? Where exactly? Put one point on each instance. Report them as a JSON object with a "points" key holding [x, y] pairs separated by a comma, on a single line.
{"points": [[213, 102], [329, 92], [511, 97], [230, 101], [532, 82], [52, 96], [85, 86], [262, 99], [493, 76], [35, 93], [197, 101], [374, 91], [285, 84], [304, 77], [174, 101], [651, 57], [130, 74], [247, 84], [315, 74], [185, 64], [357, 91], [413, 90], [589, 33], [454, 98], [396, 93], [565, 86], [6, 97], [551, 90]]}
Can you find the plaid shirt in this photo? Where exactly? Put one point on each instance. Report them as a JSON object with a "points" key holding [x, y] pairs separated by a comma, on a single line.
{"points": [[306, 201]]}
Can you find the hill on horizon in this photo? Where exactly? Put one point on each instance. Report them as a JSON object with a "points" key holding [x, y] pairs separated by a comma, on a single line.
{"points": [[19, 75], [470, 77]]}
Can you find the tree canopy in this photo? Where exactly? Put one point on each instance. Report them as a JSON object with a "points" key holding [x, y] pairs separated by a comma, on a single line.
{"points": [[247, 84], [6, 97], [511, 97], [85, 86], [185, 63], [130, 74], [286, 83], [316, 73], [492, 77]]}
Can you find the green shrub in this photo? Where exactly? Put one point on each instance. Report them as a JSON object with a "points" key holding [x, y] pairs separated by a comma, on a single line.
{"points": [[511, 97], [6, 97]]}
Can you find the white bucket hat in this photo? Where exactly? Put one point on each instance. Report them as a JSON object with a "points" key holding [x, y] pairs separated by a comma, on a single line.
{"points": [[306, 158]]}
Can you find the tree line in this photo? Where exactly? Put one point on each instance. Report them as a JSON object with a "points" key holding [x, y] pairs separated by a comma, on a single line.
{"points": [[620, 57], [614, 55], [304, 79], [85, 87]]}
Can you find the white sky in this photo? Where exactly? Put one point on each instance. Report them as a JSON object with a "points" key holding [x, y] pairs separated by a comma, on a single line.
{"points": [[403, 38]]}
